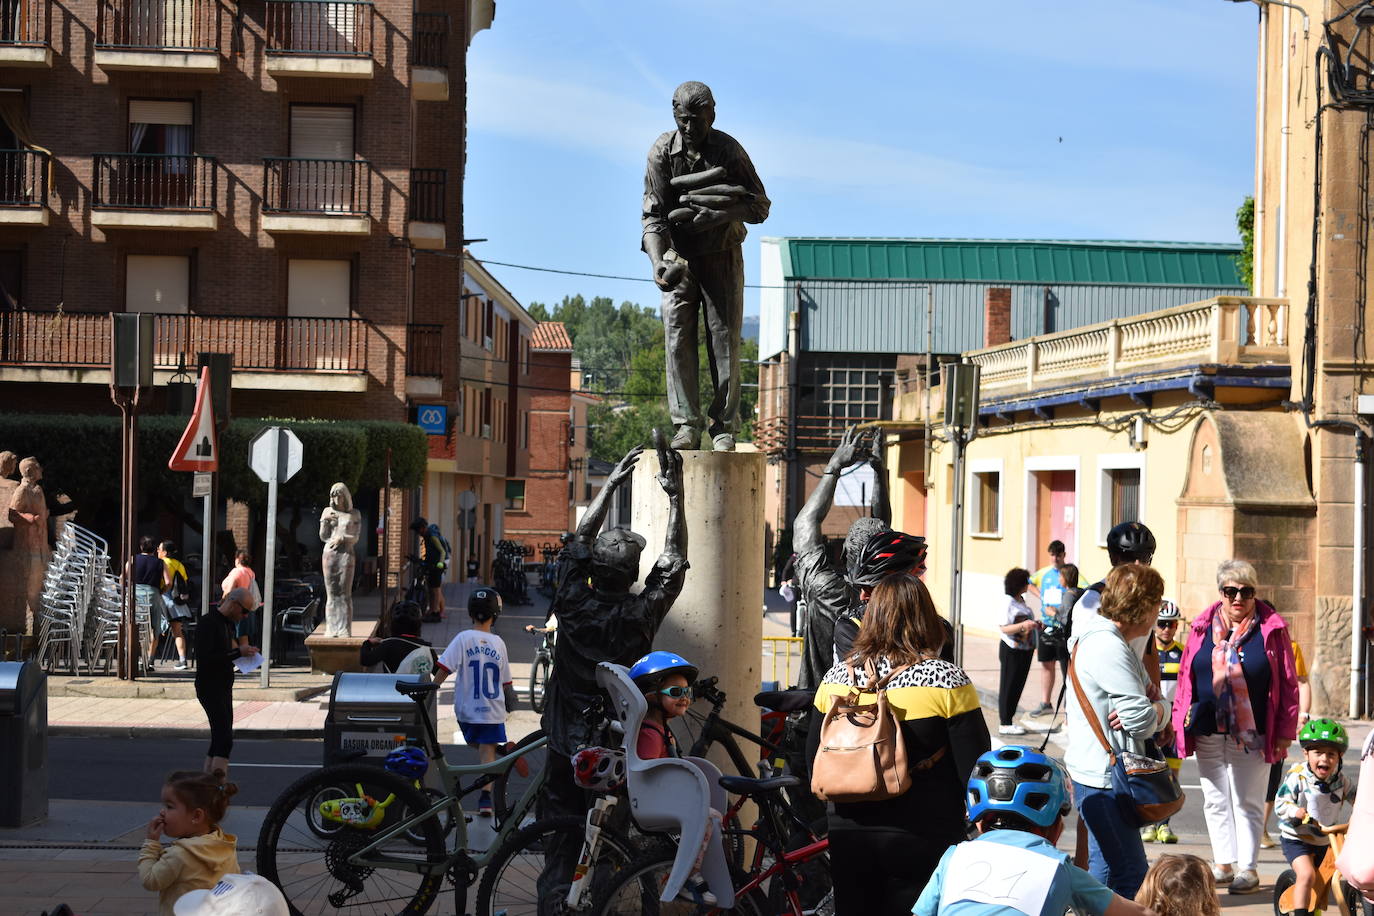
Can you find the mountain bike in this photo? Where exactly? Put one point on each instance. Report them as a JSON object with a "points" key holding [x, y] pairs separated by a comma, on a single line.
{"points": [[354, 835]]}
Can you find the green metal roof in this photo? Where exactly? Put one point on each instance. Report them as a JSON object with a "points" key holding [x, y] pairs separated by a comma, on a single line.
{"points": [[1013, 261]]}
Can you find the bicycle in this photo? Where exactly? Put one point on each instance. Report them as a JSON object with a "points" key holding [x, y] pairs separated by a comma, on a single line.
{"points": [[542, 666], [415, 591], [548, 570], [356, 835], [1348, 902]]}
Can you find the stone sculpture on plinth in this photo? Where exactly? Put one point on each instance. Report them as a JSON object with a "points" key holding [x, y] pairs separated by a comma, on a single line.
{"points": [[340, 526], [699, 190], [28, 513], [601, 620]]}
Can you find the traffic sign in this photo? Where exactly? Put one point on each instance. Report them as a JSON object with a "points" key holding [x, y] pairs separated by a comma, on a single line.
{"points": [[200, 484], [275, 454], [198, 449], [432, 418]]}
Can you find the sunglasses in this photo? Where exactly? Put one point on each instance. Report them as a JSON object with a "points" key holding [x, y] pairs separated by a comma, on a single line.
{"points": [[1166, 624], [676, 693], [1246, 593]]}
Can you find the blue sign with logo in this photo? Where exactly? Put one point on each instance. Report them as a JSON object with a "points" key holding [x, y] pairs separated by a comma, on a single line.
{"points": [[432, 418]]}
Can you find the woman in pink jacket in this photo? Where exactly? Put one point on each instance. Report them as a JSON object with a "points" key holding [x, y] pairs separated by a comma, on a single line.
{"points": [[1237, 709]]}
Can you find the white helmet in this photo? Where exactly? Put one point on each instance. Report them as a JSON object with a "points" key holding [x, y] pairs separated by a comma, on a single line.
{"points": [[1169, 611]]}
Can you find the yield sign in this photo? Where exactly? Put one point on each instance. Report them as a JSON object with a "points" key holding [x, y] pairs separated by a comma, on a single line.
{"points": [[198, 449]]}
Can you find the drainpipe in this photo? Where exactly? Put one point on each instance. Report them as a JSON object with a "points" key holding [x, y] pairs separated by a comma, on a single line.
{"points": [[1357, 580], [1281, 230], [793, 461], [1258, 260]]}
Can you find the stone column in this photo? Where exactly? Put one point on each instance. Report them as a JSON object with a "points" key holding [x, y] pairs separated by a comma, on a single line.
{"points": [[717, 622]]}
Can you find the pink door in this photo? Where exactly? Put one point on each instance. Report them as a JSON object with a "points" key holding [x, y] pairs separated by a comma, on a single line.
{"points": [[1063, 512]]}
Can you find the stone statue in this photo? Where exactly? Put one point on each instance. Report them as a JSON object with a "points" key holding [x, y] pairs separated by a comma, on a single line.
{"points": [[9, 463], [28, 513], [601, 619], [340, 525], [699, 190]]}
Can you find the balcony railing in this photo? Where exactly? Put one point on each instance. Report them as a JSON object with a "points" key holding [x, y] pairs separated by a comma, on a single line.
{"points": [[161, 25], [427, 189], [155, 181], [1226, 330], [429, 47], [333, 186], [82, 339], [23, 177], [425, 350], [320, 27], [24, 22]]}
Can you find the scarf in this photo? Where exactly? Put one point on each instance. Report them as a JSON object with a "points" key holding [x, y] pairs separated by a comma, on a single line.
{"points": [[1235, 716]]}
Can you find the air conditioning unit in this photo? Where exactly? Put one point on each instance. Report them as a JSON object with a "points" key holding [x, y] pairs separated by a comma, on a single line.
{"points": [[486, 430]]}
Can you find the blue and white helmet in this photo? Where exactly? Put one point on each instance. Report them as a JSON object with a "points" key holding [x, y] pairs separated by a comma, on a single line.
{"points": [[649, 671], [1018, 780]]}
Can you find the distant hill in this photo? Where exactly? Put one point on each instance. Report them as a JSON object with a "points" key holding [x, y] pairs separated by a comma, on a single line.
{"points": [[750, 329]]}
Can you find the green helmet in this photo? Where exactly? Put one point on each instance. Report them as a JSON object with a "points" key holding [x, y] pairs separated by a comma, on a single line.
{"points": [[1323, 731]]}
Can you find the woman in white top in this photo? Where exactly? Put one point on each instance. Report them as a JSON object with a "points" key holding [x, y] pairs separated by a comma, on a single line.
{"points": [[1114, 681], [1016, 651]]}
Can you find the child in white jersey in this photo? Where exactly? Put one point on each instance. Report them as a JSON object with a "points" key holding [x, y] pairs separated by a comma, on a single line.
{"points": [[482, 689]]}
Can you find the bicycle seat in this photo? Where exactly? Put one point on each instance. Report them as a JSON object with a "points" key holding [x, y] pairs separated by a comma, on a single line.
{"points": [[743, 785], [414, 690], [784, 700]]}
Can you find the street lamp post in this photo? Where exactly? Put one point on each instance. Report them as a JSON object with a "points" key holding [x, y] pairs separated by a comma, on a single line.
{"points": [[131, 371], [961, 423]]}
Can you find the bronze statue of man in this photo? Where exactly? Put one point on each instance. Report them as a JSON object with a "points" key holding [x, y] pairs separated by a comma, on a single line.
{"points": [[699, 190]]}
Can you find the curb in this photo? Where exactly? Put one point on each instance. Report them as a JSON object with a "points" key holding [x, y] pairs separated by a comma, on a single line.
{"points": [[176, 731]]}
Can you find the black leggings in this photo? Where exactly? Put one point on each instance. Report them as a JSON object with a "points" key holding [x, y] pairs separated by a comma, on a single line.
{"points": [[1016, 664], [218, 703], [880, 871]]}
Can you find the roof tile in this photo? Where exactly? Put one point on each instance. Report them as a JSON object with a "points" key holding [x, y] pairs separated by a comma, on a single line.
{"points": [[551, 335]]}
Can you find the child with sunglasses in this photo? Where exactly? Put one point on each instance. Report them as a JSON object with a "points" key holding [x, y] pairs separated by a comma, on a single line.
{"points": [[1170, 652], [666, 681]]}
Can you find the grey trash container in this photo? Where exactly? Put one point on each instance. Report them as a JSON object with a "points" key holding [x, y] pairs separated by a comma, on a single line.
{"points": [[367, 714], [23, 744]]}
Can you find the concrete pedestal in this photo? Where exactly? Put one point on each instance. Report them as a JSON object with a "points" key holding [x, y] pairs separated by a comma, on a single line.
{"points": [[717, 622], [330, 655]]}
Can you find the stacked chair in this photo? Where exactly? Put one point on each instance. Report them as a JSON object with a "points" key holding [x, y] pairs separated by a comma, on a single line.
{"points": [[78, 566]]}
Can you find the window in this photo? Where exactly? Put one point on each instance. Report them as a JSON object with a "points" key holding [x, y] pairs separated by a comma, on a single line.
{"points": [[157, 283], [515, 495], [486, 413], [524, 429], [985, 498], [318, 288], [159, 133], [1125, 486], [843, 388], [320, 174], [1121, 492]]}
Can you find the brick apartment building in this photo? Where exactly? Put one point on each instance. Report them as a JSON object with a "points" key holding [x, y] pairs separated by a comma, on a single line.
{"points": [[259, 176]]}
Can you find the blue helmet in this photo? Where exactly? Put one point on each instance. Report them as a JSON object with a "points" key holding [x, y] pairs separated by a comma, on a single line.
{"points": [[1018, 780], [650, 670], [407, 762]]}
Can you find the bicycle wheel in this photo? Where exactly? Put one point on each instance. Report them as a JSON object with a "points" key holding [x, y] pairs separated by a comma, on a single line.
{"points": [[1282, 889], [539, 680], [635, 889], [503, 794], [416, 832], [510, 880], [311, 867]]}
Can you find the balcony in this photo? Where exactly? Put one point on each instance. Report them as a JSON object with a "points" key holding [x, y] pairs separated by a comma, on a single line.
{"points": [[317, 196], [155, 191], [273, 353], [429, 58], [425, 228], [24, 177], [329, 38], [25, 27], [424, 360], [163, 36]]}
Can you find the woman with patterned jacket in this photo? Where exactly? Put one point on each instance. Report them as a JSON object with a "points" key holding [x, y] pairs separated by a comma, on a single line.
{"points": [[882, 853]]}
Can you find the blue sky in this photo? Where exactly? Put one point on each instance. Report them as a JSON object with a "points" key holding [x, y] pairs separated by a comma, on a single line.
{"points": [[1106, 119]]}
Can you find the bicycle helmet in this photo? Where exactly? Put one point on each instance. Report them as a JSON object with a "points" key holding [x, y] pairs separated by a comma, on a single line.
{"points": [[600, 769], [649, 671], [484, 604], [886, 553], [1318, 732], [405, 619], [1169, 611], [407, 762], [1017, 780], [1130, 541]]}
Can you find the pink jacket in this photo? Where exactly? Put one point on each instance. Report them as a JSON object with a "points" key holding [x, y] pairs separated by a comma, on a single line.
{"points": [[1281, 722]]}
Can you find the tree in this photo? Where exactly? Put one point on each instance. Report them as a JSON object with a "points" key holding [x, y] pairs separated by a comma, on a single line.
{"points": [[1245, 261]]}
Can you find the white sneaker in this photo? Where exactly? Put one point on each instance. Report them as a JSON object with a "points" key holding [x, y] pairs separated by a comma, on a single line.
{"points": [[1012, 729], [180, 665], [1245, 882], [1223, 874]]}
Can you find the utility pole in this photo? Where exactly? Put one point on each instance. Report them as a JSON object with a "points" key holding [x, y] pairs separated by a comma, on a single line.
{"points": [[961, 423]]}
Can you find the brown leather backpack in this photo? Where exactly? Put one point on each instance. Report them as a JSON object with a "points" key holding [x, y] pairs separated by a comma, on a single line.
{"points": [[862, 755]]}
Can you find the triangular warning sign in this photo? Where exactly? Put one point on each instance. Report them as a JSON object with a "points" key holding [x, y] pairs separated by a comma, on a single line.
{"points": [[198, 449]]}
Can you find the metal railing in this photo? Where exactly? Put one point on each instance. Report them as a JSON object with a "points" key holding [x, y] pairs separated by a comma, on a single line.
{"points": [[181, 25], [813, 433], [272, 344], [316, 186], [320, 27], [425, 350], [427, 189], [23, 177], [25, 22], [786, 650], [155, 181], [429, 46]]}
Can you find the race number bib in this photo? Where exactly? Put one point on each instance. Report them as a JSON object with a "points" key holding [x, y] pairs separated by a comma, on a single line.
{"points": [[1053, 596], [998, 874]]}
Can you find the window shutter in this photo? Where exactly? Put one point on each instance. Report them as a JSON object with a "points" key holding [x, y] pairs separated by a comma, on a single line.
{"points": [[157, 284], [320, 132], [152, 111], [318, 288]]}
